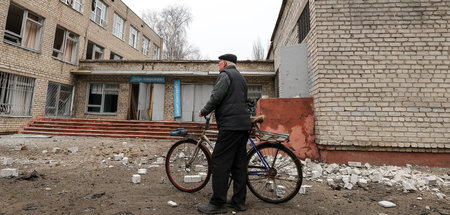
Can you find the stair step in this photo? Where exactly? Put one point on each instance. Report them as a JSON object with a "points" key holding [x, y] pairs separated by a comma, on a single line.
{"points": [[102, 135]]}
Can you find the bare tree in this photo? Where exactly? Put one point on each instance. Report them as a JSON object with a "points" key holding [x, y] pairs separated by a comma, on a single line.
{"points": [[172, 24], [258, 50]]}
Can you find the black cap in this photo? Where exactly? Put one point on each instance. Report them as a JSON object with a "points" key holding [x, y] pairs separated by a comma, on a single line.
{"points": [[228, 57]]}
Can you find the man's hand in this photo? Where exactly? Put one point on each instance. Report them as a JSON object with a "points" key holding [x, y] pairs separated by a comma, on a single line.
{"points": [[200, 114]]}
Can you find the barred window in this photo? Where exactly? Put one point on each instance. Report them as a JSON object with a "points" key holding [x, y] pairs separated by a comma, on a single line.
{"points": [[23, 28], [303, 24], [16, 94], [103, 98]]}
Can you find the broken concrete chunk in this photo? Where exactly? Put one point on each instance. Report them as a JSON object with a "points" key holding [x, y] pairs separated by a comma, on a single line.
{"points": [[354, 179], [9, 172], [144, 160], [192, 178], [125, 161], [362, 182], [159, 161], [136, 179], [356, 171], [304, 188], [408, 186], [172, 204], [73, 149], [8, 161], [387, 204], [354, 164], [142, 171], [348, 186], [281, 191], [315, 174], [441, 195], [430, 180], [56, 150], [368, 166], [330, 181], [118, 157]]}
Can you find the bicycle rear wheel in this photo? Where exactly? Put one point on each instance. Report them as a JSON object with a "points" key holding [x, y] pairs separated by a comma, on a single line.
{"points": [[188, 166], [279, 178]]}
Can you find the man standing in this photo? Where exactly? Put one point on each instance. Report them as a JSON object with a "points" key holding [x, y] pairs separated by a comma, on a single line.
{"points": [[229, 100]]}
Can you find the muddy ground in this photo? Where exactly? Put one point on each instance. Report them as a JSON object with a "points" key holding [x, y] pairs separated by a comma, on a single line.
{"points": [[87, 182]]}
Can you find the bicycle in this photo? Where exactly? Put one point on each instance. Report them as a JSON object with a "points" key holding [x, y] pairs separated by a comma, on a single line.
{"points": [[274, 172]]}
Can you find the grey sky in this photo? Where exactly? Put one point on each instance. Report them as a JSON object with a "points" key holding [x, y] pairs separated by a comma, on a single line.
{"points": [[226, 26]]}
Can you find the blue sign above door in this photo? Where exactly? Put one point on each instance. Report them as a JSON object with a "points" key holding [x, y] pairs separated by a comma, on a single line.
{"points": [[147, 79]]}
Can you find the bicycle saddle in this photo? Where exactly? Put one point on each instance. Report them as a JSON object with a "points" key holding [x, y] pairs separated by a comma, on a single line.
{"points": [[258, 119]]}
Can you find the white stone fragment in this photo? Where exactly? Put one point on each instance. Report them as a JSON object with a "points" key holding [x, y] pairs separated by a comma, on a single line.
{"points": [[354, 164], [430, 180], [118, 157], [354, 179], [408, 186], [343, 171], [124, 144], [419, 198], [192, 178], [159, 161], [44, 151], [376, 176], [356, 171], [142, 171], [8, 161], [387, 204], [435, 190], [348, 186], [56, 150], [125, 161], [136, 179], [269, 186], [315, 174], [73, 149], [346, 179], [441, 195], [172, 204], [153, 166], [144, 160], [304, 188], [330, 181], [368, 166], [362, 182], [9, 172], [281, 191]]}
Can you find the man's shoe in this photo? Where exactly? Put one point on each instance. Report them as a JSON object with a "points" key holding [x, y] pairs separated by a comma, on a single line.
{"points": [[212, 209], [238, 207]]}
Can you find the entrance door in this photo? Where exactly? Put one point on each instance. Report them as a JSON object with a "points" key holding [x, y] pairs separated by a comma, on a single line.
{"points": [[59, 100], [193, 99], [150, 104]]}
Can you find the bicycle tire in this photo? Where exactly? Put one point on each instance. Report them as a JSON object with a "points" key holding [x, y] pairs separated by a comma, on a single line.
{"points": [[186, 177], [284, 178]]}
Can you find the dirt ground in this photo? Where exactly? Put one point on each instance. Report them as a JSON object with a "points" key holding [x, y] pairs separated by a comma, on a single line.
{"points": [[87, 182]]}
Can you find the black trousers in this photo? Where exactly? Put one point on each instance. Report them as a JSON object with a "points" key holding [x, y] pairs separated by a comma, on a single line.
{"points": [[229, 155]]}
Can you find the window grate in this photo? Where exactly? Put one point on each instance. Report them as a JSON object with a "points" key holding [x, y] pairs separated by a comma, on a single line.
{"points": [[16, 94], [303, 24]]}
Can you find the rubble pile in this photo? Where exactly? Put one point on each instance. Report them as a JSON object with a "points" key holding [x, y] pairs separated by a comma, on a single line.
{"points": [[354, 174]]}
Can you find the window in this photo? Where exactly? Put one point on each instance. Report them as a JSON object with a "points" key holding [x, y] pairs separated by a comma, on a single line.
{"points": [[114, 56], [303, 24], [134, 35], [16, 94], [118, 26], [103, 98], [145, 46], [156, 52], [94, 51], [75, 4], [65, 45], [254, 93], [23, 28], [99, 14]]}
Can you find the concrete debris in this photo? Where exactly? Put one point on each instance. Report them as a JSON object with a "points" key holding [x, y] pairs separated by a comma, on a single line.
{"points": [[304, 188], [9, 173], [142, 171], [159, 161], [419, 198], [387, 204], [354, 173], [73, 149], [44, 151], [125, 161], [136, 179], [118, 157], [56, 150], [192, 178], [7, 161], [172, 204], [441, 195], [427, 207], [144, 160]]}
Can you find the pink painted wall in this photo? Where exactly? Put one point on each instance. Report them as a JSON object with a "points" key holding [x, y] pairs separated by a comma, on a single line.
{"points": [[294, 116]]}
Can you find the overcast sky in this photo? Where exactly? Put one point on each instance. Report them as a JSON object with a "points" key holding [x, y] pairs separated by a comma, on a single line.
{"points": [[226, 26]]}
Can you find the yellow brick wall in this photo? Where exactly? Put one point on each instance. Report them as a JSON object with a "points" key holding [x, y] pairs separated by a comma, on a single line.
{"points": [[382, 68]]}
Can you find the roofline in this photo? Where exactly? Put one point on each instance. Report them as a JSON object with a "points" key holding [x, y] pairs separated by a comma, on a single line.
{"points": [[283, 5], [171, 61]]}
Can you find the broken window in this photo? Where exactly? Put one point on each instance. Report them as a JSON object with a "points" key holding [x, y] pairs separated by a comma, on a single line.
{"points": [[100, 13], [145, 46], [118, 26], [23, 28], [75, 4], [303, 24], [94, 51], [65, 45], [16, 94], [156, 52], [114, 56], [254, 93], [59, 100], [103, 98], [134, 35]]}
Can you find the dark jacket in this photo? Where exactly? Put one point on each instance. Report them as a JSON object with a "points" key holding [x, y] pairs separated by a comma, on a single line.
{"points": [[229, 99]]}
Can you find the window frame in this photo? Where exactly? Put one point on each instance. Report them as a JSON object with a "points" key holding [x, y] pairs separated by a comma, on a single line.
{"points": [[304, 24], [63, 52], [146, 48], [30, 82], [102, 103], [136, 40], [114, 54], [74, 2], [156, 49], [103, 20], [25, 19], [96, 48], [115, 30]]}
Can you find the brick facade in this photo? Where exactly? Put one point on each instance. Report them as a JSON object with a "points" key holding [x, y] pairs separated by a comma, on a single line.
{"points": [[44, 68], [265, 79], [381, 72]]}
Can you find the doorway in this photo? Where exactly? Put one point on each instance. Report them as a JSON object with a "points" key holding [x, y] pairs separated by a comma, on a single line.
{"points": [[147, 101], [59, 100]]}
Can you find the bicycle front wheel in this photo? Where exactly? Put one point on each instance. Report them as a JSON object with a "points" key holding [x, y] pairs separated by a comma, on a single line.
{"points": [[274, 173], [188, 165]]}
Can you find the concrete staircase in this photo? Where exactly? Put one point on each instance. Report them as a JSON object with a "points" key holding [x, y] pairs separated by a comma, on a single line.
{"points": [[112, 128]]}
